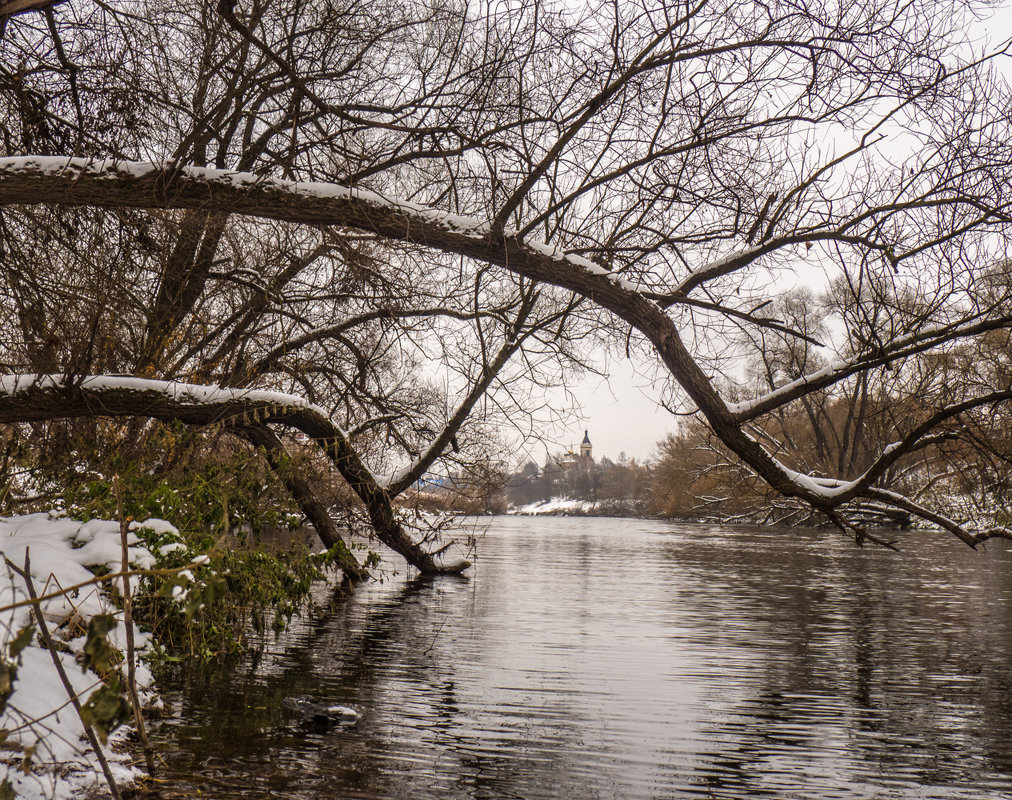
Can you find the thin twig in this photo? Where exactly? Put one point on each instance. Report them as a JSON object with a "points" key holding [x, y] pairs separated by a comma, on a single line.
{"points": [[128, 621], [112, 576], [434, 636], [26, 576]]}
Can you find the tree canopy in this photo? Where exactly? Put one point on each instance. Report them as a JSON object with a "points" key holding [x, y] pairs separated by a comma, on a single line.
{"points": [[308, 197]]}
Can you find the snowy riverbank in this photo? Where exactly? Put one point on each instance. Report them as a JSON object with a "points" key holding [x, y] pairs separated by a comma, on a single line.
{"points": [[564, 507], [45, 752]]}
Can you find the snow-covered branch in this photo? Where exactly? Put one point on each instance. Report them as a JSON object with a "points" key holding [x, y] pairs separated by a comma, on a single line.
{"points": [[139, 185], [724, 265], [145, 185], [34, 398], [840, 369]]}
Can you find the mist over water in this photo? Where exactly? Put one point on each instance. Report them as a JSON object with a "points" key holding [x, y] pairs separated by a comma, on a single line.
{"points": [[603, 658]]}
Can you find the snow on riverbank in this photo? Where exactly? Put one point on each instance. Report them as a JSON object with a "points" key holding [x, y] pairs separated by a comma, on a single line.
{"points": [[563, 507], [557, 506], [38, 713]]}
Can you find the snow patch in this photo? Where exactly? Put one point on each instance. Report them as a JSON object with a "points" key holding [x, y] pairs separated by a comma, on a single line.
{"points": [[38, 712], [556, 506]]}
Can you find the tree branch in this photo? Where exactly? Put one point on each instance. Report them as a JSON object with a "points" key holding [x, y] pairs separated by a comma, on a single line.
{"points": [[31, 398]]}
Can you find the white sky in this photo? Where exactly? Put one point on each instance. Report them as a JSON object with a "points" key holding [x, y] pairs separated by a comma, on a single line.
{"points": [[622, 412]]}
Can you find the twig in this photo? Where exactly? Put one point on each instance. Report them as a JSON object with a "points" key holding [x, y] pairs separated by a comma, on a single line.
{"points": [[112, 576], [128, 620], [434, 636], [51, 646]]}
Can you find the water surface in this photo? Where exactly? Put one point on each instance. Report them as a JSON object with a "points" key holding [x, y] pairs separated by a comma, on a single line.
{"points": [[604, 658]]}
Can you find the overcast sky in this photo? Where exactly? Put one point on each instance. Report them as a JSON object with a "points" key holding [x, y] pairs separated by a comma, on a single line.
{"points": [[622, 412]]}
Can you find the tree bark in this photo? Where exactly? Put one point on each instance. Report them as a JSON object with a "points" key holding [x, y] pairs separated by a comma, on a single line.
{"points": [[182, 280], [51, 397], [263, 437], [79, 182], [8, 8], [133, 185]]}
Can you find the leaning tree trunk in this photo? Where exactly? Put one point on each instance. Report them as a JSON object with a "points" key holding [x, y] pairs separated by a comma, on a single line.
{"points": [[34, 398], [109, 184], [263, 437]]}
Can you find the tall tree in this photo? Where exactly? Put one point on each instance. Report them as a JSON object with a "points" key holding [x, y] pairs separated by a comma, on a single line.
{"points": [[669, 163]]}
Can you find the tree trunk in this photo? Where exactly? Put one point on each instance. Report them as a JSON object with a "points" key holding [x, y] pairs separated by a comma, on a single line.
{"points": [[261, 436], [79, 182], [30, 398]]}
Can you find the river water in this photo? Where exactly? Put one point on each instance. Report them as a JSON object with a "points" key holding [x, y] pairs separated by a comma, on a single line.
{"points": [[604, 658]]}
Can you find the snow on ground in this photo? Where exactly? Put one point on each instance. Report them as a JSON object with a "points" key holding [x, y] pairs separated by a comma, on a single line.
{"points": [[39, 713], [556, 506]]}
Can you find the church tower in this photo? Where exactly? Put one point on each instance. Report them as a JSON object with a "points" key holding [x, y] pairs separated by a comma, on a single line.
{"points": [[585, 446]]}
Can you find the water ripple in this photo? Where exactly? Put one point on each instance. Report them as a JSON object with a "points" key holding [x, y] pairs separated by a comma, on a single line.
{"points": [[623, 658]]}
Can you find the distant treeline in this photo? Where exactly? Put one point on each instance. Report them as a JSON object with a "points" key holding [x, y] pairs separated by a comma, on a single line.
{"points": [[694, 477]]}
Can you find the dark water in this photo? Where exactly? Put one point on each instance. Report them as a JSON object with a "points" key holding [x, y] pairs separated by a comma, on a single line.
{"points": [[599, 658]]}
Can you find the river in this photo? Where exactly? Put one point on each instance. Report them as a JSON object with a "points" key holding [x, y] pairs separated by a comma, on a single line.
{"points": [[605, 658]]}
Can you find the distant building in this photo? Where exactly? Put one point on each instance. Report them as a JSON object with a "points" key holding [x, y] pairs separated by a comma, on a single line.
{"points": [[569, 461], [566, 460]]}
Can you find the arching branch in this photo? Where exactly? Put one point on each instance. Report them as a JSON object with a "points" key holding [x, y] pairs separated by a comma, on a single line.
{"points": [[35, 398]]}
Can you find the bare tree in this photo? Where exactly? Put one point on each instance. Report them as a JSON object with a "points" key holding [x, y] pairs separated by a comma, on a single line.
{"points": [[668, 163], [202, 297]]}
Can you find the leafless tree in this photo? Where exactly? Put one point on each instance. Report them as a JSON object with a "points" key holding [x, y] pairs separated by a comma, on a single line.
{"points": [[202, 297], [669, 163]]}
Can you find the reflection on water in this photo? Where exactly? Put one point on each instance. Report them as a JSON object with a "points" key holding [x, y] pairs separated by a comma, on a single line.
{"points": [[599, 658]]}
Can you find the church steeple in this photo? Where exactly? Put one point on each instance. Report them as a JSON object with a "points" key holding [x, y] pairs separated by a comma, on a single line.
{"points": [[585, 446]]}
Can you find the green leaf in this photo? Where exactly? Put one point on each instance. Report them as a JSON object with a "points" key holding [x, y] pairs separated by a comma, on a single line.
{"points": [[21, 641], [204, 594], [106, 710], [6, 790], [98, 653], [8, 674], [214, 589]]}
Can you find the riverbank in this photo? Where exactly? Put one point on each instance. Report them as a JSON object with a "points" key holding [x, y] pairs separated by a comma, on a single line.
{"points": [[46, 752], [566, 507], [207, 597]]}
